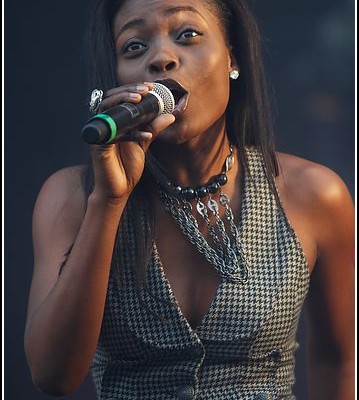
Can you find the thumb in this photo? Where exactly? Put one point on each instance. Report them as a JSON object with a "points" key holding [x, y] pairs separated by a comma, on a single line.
{"points": [[161, 122]]}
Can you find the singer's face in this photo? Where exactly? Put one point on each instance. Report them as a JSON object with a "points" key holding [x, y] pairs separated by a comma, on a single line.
{"points": [[181, 40]]}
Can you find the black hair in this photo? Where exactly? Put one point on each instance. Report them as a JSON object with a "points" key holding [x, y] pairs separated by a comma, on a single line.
{"points": [[248, 114]]}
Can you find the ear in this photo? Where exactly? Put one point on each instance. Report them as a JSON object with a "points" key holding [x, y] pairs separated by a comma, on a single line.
{"points": [[232, 62]]}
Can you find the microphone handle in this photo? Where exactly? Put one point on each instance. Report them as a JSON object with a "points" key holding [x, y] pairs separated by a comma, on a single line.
{"points": [[113, 124]]}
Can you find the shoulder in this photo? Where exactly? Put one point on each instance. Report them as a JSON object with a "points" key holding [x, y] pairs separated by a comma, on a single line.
{"points": [[320, 208], [63, 190], [66, 178], [317, 198], [310, 182]]}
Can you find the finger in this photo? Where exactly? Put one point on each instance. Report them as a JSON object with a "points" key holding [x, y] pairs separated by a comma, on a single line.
{"points": [[119, 98], [140, 138], [141, 88], [127, 93], [137, 136], [161, 122], [144, 138], [101, 149]]}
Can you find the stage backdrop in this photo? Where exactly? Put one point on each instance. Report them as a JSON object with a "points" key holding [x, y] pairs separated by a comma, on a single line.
{"points": [[309, 51]]}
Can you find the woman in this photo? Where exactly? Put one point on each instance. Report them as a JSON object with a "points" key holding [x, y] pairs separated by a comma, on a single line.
{"points": [[179, 268]]}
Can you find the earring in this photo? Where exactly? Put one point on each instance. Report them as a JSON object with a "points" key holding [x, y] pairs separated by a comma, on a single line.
{"points": [[234, 74]]}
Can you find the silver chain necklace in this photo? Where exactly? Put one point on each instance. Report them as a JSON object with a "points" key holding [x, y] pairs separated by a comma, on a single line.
{"points": [[225, 252]]}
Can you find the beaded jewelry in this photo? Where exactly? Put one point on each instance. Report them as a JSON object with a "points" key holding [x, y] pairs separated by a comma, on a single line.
{"points": [[225, 250]]}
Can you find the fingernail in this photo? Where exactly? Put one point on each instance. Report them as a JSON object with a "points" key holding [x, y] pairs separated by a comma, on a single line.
{"points": [[147, 136], [141, 88], [134, 96]]}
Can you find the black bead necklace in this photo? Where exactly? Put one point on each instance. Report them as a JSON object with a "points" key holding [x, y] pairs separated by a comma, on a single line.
{"points": [[189, 193]]}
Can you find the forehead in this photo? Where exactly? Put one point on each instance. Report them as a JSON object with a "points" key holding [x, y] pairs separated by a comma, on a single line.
{"points": [[143, 9]]}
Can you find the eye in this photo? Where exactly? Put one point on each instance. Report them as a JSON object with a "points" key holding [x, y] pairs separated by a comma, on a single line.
{"points": [[188, 34], [134, 47]]}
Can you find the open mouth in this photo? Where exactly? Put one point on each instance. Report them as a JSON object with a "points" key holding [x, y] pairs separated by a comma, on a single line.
{"points": [[179, 93]]}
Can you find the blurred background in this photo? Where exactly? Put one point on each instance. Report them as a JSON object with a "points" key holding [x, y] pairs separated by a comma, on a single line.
{"points": [[309, 54]]}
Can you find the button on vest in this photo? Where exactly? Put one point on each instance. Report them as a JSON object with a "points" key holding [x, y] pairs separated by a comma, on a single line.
{"points": [[185, 392]]}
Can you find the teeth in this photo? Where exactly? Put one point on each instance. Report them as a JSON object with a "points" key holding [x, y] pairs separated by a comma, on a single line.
{"points": [[182, 103], [177, 95]]}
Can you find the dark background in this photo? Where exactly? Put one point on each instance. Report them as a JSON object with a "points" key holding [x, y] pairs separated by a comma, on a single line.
{"points": [[309, 51]]}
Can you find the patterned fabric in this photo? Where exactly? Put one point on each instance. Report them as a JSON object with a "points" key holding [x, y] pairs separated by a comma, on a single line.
{"points": [[243, 349]]}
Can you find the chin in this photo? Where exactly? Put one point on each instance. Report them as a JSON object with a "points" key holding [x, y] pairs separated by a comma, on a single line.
{"points": [[175, 134], [171, 138]]}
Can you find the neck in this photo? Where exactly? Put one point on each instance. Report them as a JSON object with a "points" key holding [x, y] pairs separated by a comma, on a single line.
{"points": [[194, 162]]}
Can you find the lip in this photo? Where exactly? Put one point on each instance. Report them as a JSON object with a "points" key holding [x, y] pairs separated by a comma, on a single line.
{"points": [[180, 94]]}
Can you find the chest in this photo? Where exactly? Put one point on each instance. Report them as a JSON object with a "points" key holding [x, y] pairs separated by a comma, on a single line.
{"points": [[185, 299], [193, 280], [183, 291]]}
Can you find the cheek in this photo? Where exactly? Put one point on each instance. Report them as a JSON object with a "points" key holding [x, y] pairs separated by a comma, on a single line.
{"points": [[126, 74], [213, 78]]}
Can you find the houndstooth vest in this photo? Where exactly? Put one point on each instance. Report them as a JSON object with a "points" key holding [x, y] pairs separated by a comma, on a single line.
{"points": [[243, 349]]}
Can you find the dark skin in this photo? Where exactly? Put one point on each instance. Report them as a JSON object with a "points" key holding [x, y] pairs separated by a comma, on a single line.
{"points": [[65, 312]]}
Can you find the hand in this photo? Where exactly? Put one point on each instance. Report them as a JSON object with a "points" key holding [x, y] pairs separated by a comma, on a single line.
{"points": [[118, 167]]}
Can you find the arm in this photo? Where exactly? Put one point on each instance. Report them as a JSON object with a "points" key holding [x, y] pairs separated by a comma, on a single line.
{"points": [[331, 296], [65, 310]]}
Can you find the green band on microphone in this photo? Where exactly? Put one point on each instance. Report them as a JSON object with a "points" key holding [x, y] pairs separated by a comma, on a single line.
{"points": [[111, 123]]}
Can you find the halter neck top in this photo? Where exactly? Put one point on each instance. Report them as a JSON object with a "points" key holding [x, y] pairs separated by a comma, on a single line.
{"points": [[244, 346]]}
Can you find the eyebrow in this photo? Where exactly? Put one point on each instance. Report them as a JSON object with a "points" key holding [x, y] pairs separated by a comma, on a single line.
{"points": [[130, 24], [177, 9], [168, 11]]}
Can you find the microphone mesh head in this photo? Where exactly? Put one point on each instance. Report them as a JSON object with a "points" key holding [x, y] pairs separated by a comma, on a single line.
{"points": [[166, 96]]}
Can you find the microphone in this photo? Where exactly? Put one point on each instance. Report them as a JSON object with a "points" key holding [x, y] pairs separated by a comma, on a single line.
{"points": [[113, 124]]}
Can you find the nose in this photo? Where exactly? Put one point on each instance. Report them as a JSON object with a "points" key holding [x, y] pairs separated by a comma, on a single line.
{"points": [[163, 59]]}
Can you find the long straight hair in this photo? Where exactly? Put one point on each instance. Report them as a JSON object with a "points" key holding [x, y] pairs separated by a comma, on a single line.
{"points": [[248, 114]]}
